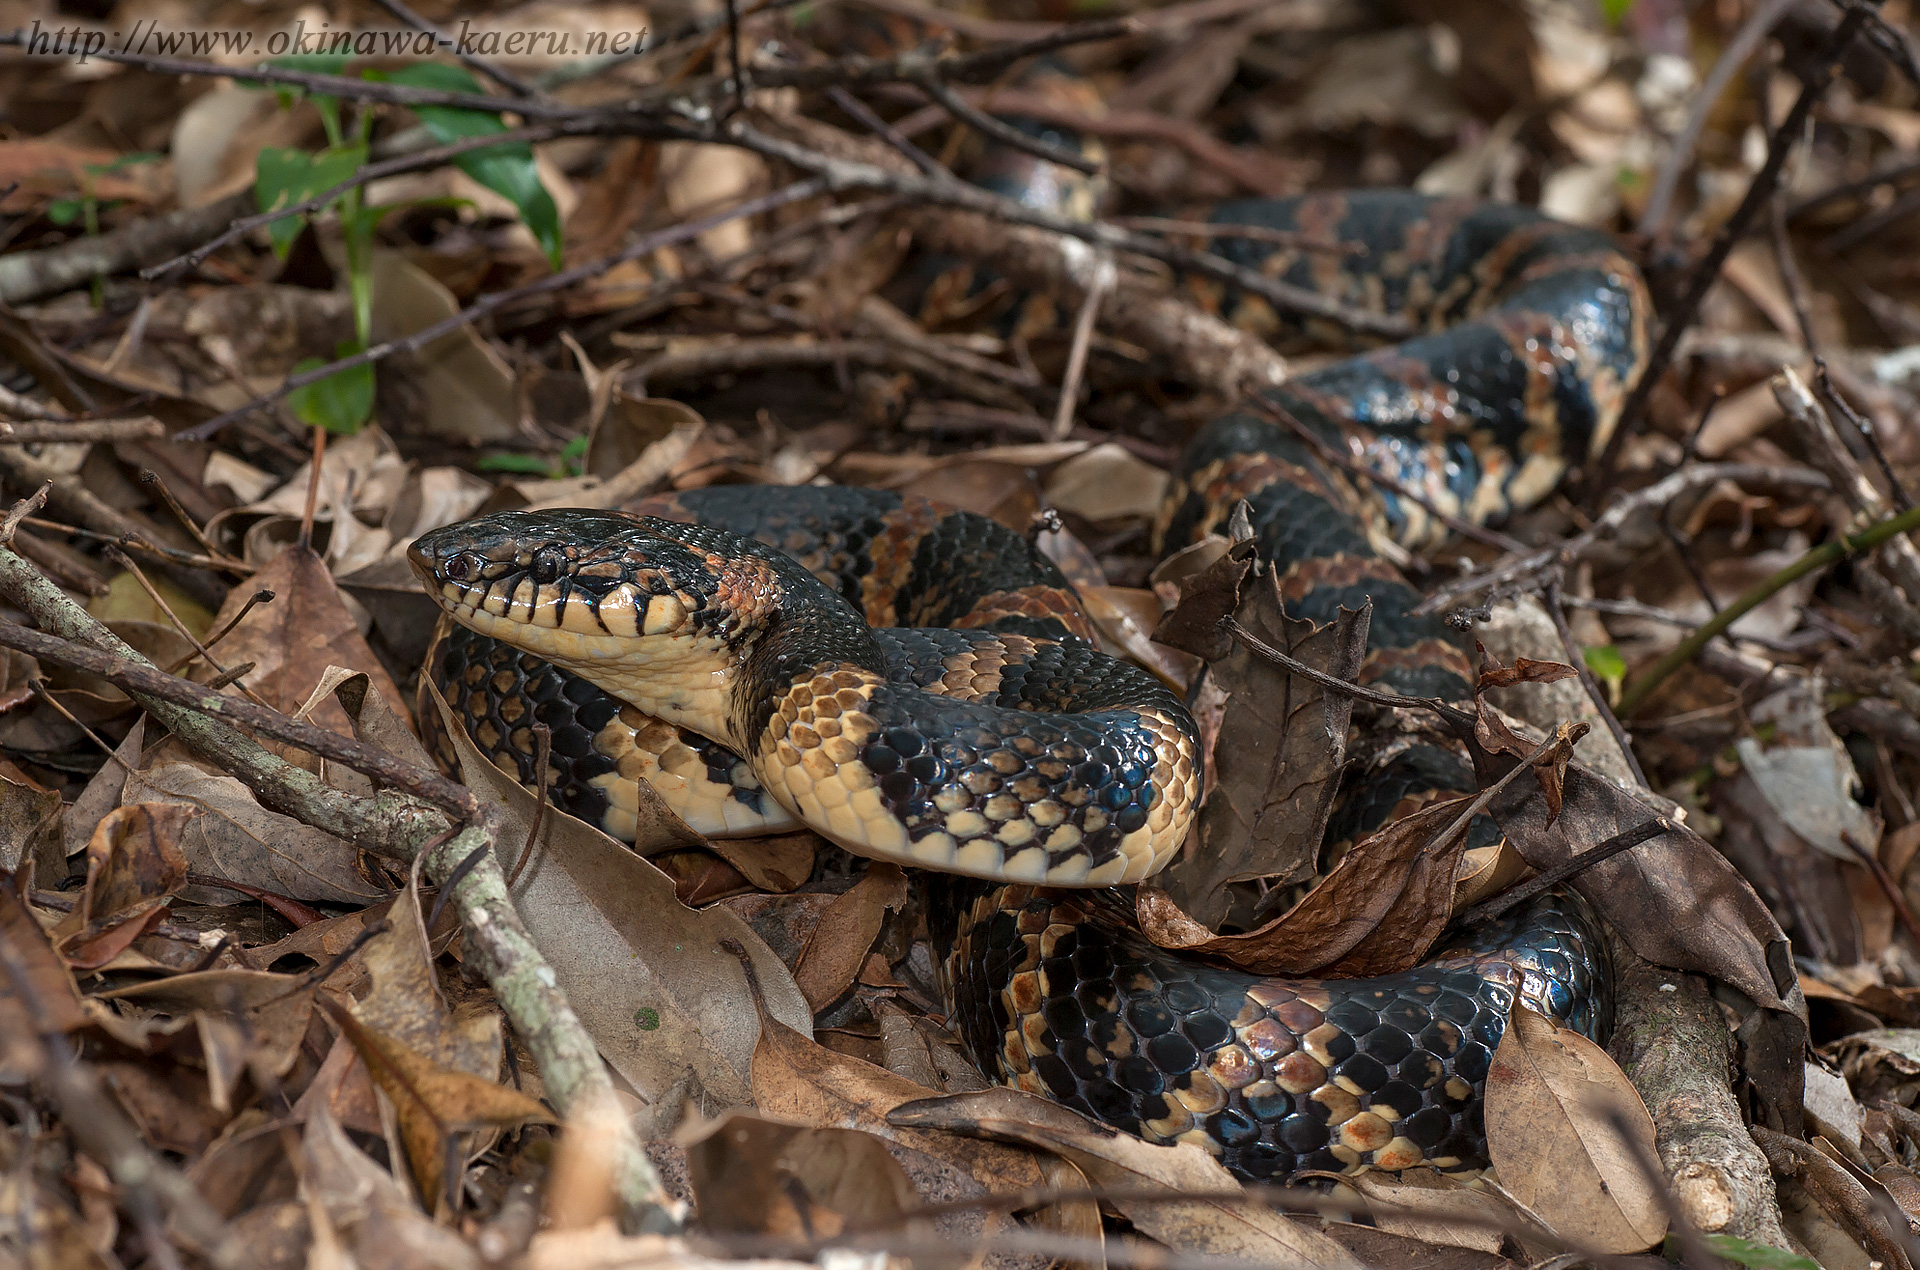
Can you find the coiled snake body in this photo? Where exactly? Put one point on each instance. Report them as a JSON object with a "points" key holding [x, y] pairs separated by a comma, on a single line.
{"points": [[734, 664]]}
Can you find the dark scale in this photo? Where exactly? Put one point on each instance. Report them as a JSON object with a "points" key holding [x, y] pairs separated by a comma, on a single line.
{"points": [[1129, 1025], [534, 691]]}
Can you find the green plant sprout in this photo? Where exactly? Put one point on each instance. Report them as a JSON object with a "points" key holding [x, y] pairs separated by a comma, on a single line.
{"points": [[343, 402], [85, 206]]}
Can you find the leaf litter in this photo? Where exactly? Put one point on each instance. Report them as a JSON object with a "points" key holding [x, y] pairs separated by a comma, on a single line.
{"points": [[259, 998]]}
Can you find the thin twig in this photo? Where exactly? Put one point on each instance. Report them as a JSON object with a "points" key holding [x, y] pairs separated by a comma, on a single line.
{"points": [[126, 562], [1293, 238], [1653, 219], [151, 479], [21, 510], [150, 681], [1825, 554], [46, 430], [1595, 693], [363, 175], [1625, 840], [879, 127], [1830, 393], [542, 753], [1374, 696], [1780, 144], [1103, 277], [506, 79], [486, 304], [263, 596], [1004, 133]]}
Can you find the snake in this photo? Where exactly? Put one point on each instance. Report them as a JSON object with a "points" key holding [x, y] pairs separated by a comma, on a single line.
{"points": [[918, 684]]}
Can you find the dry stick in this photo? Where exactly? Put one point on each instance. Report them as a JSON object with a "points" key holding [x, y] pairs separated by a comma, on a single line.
{"points": [[879, 127], [151, 479], [1346, 462], [21, 510], [1779, 145], [82, 430], [1103, 279], [1374, 696], [1667, 617], [1524, 567], [1886, 176], [363, 175], [489, 303], [315, 470], [506, 79], [542, 750], [1576, 659], [146, 680], [1004, 133], [1653, 220], [1825, 554], [126, 562], [1606, 849], [21, 406], [1830, 393], [134, 542], [263, 596], [1838, 1195]]}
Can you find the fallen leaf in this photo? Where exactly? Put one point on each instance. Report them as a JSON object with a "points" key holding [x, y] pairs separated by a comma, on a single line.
{"points": [[359, 1199], [404, 1002], [456, 387], [1806, 777], [238, 839], [1125, 1165], [134, 866], [292, 640], [799, 1081], [1278, 757], [32, 824], [434, 1103], [56, 1000], [1107, 483], [1676, 902], [1377, 911], [1556, 1110], [756, 1176], [648, 977], [838, 947], [777, 862]]}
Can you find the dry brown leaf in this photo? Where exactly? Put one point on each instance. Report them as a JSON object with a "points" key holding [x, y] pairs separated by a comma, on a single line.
{"points": [[32, 824], [648, 977], [1426, 1205], [434, 1102], [756, 1176], [241, 841], [839, 944], [798, 1081], [456, 387], [1385, 1250], [134, 867], [1553, 1099], [293, 640], [354, 1202], [56, 1004], [405, 1005], [779, 863], [1677, 902], [1107, 483], [1282, 742], [1121, 1163], [1378, 911]]}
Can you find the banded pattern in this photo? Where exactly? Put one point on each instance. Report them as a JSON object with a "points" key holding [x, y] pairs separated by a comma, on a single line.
{"points": [[1064, 766]]}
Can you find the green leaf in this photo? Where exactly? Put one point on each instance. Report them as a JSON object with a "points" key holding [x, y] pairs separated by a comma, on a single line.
{"points": [[341, 402], [508, 170], [285, 177], [1747, 1253], [527, 464], [126, 161], [1605, 661], [64, 211], [1615, 11]]}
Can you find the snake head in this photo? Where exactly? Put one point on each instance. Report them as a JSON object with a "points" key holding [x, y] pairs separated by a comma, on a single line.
{"points": [[576, 587]]}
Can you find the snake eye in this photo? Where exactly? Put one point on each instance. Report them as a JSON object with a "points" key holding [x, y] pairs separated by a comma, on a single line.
{"points": [[547, 564], [460, 568]]}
